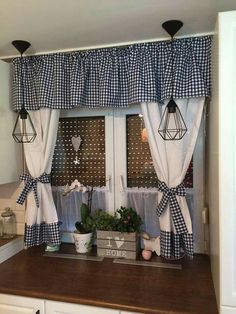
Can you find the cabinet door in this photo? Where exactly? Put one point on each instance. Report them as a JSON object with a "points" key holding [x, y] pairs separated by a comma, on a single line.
{"points": [[10, 304], [69, 308], [10, 153], [227, 160], [13, 309]]}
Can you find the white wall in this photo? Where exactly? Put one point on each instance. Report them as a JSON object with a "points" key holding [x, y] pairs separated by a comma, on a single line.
{"points": [[10, 152]]}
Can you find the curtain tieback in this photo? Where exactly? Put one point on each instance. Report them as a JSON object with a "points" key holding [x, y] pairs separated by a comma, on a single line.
{"points": [[31, 184], [169, 196]]}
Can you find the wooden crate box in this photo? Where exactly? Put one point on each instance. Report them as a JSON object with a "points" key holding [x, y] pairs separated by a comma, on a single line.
{"points": [[115, 244]]}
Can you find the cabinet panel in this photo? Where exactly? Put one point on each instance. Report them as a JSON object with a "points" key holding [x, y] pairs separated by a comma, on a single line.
{"points": [[10, 153], [227, 159], [68, 308], [10, 309], [10, 304]]}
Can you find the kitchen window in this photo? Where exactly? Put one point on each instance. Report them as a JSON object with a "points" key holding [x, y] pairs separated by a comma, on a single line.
{"points": [[115, 157]]}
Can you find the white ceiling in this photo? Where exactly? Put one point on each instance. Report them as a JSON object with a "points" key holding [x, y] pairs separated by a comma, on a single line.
{"points": [[63, 25]]}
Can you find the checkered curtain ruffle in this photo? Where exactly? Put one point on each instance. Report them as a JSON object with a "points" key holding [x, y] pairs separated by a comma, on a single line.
{"points": [[42, 233], [114, 77]]}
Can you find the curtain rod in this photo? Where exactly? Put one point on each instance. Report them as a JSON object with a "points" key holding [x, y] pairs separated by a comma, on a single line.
{"points": [[118, 45]]}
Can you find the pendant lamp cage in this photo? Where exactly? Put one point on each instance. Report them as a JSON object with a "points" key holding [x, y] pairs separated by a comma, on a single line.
{"points": [[24, 130], [172, 126]]}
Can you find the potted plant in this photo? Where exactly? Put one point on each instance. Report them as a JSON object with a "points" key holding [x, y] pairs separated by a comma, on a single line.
{"points": [[83, 235], [118, 235]]}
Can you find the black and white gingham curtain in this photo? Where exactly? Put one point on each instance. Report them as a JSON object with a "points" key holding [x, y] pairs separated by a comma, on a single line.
{"points": [[171, 160], [114, 77], [41, 220]]}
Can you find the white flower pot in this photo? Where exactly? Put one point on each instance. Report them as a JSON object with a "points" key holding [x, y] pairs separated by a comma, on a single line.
{"points": [[83, 242]]}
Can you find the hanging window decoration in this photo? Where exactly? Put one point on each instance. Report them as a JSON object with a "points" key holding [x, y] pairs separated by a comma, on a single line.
{"points": [[76, 142], [172, 126]]}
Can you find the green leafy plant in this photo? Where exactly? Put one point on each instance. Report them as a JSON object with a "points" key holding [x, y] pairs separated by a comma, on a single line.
{"points": [[125, 220], [86, 225], [129, 220], [104, 221]]}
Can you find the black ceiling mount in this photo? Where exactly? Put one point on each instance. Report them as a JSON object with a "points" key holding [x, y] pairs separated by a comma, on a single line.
{"points": [[21, 45], [172, 27]]}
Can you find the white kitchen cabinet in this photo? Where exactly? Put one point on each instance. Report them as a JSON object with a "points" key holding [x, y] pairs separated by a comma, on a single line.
{"points": [[10, 304], [222, 164], [52, 307], [10, 152]]}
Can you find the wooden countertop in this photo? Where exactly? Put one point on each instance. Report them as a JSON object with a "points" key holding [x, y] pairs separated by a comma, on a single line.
{"points": [[105, 284]]}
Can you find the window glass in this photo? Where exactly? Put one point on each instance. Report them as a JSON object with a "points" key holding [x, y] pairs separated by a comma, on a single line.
{"points": [[80, 151], [140, 170]]}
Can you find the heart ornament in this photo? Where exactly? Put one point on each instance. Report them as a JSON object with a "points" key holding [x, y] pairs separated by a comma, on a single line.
{"points": [[119, 242], [76, 142]]}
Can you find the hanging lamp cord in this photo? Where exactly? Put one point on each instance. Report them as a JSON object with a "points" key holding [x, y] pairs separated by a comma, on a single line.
{"points": [[172, 66], [22, 81]]}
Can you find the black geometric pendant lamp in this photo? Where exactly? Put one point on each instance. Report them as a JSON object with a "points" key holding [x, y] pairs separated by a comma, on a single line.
{"points": [[172, 126], [24, 131]]}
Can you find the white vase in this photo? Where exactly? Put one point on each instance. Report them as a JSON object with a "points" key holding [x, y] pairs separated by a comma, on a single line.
{"points": [[83, 242]]}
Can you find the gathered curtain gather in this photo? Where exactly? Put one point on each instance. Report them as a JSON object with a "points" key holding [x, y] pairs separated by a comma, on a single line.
{"points": [[114, 77]]}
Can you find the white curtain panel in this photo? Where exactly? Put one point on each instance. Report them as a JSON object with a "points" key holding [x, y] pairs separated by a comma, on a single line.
{"points": [[144, 201], [42, 222], [171, 160], [68, 206]]}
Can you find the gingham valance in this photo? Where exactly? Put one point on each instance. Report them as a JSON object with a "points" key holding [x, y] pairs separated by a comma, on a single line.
{"points": [[114, 77]]}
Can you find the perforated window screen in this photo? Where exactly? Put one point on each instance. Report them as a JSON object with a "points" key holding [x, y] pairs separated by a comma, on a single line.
{"points": [[140, 170], [90, 165]]}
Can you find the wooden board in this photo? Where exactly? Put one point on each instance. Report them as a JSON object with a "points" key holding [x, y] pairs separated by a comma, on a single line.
{"points": [[115, 244], [112, 244], [112, 253], [132, 236]]}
